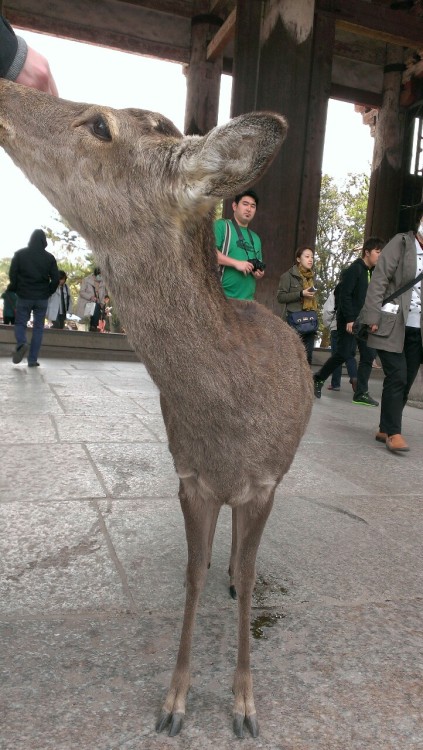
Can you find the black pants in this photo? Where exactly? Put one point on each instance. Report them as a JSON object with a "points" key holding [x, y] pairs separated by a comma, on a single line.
{"points": [[308, 341], [345, 349], [400, 370], [96, 317], [60, 321]]}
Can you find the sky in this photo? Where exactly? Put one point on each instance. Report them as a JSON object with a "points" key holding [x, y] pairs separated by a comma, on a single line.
{"points": [[86, 73]]}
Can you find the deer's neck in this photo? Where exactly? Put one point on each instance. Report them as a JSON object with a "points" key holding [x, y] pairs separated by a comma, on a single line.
{"points": [[174, 311]]}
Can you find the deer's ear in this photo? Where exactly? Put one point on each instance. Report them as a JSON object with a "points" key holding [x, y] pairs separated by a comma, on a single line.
{"points": [[233, 156]]}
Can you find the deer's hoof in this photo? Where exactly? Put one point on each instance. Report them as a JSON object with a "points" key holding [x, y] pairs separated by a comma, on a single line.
{"points": [[232, 591], [175, 720], [250, 722]]}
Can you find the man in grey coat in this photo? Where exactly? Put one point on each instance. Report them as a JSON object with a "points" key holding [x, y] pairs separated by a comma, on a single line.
{"points": [[395, 329]]}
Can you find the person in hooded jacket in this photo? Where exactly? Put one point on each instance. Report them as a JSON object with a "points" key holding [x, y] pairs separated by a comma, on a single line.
{"points": [[34, 276]]}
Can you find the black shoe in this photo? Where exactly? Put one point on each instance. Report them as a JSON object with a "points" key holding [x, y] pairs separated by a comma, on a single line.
{"points": [[19, 353], [33, 364], [318, 384], [363, 399]]}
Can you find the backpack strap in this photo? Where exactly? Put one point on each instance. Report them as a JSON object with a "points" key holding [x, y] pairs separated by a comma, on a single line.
{"points": [[225, 247]]}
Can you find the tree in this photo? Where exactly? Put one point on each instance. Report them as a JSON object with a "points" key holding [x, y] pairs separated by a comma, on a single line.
{"points": [[340, 230]]}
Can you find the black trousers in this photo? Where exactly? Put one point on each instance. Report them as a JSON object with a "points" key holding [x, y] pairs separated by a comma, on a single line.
{"points": [[345, 348], [400, 370], [60, 321], [308, 341]]}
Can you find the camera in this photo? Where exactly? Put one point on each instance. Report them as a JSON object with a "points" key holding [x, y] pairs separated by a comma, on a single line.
{"points": [[257, 264]]}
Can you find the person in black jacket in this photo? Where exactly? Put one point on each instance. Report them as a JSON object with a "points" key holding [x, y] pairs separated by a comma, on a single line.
{"points": [[21, 63], [352, 293], [34, 276]]}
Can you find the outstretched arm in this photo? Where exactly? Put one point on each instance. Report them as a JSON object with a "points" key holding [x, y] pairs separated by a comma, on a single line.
{"points": [[21, 63]]}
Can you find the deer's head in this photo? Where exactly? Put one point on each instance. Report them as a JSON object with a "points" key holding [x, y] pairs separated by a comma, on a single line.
{"points": [[101, 167]]}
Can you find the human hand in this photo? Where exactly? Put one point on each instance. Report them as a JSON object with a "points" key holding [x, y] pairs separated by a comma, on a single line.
{"points": [[349, 327], [243, 266], [36, 73], [258, 274], [373, 328], [308, 292]]}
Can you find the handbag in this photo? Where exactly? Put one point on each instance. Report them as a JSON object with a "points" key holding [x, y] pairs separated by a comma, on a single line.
{"points": [[89, 309], [361, 330], [304, 321]]}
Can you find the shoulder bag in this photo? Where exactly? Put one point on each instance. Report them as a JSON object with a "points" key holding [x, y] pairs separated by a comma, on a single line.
{"points": [[361, 330]]}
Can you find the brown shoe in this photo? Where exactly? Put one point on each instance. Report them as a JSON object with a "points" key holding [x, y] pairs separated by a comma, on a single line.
{"points": [[381, 437], [396, 443]]}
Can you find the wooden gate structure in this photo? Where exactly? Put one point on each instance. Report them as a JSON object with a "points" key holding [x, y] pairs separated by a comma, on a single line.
{"points": [[290, 56]]}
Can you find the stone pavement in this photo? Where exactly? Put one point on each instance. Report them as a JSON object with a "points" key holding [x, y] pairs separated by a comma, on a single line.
{"points": [[92, 566]]}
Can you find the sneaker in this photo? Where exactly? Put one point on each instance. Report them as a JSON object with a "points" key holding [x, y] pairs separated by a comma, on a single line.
{"points": [[19, 353], [333, 388], [318, 387], [33, 364], [396, 443], [364, 399]]}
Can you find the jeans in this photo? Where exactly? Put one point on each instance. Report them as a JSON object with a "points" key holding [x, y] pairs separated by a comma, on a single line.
{"points": [[400, 370], [346, 344], [24, 307], [350, 363]]}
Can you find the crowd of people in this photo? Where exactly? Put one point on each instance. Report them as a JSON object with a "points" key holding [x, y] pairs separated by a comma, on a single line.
{"points": [[37, 292], [382, 287]]}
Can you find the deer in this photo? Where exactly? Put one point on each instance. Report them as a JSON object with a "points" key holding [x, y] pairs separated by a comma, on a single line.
{"points": [[235, 387]]}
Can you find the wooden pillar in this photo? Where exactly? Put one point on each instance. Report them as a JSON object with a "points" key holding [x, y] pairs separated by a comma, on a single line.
{"points": [[282, 62], [203, 78], [386, 178]]}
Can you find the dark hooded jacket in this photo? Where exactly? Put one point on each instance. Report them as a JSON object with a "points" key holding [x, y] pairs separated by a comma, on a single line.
{"points": [[33, 271]]}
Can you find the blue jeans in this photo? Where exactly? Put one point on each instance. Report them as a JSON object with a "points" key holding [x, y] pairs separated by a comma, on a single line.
{"points": [[24, 307]]}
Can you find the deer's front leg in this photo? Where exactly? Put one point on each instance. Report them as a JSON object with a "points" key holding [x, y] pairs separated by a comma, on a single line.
{"points": [[200, 522], [250, 522]]}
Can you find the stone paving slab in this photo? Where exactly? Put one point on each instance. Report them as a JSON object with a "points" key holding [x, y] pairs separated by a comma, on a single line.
{"points": [[92, 561]]}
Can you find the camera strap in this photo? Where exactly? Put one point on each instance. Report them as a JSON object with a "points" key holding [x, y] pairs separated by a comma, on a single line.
{"points": [[241, 237]]}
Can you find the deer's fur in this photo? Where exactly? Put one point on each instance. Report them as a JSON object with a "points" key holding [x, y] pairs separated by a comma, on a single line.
{"points": [[235, 386]]}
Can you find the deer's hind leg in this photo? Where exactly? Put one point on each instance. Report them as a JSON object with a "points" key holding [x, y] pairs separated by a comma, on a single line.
{"points": [[200, 517], [250, 521]]}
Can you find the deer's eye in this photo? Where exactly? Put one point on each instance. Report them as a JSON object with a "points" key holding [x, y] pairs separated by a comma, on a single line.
{"points": [[100, 129]]}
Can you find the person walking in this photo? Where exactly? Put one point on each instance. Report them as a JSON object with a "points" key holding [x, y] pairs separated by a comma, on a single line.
{"points": [[34, 276], [60, 303], [396, 327], [352, 293], [296, 294], [329, 321], [239, 249]]}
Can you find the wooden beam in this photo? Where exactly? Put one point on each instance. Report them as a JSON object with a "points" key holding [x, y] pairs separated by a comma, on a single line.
{"points": [[222, 38], [222, 6], [101, 37], [375, 21], [355, 96], [181, 8]]}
